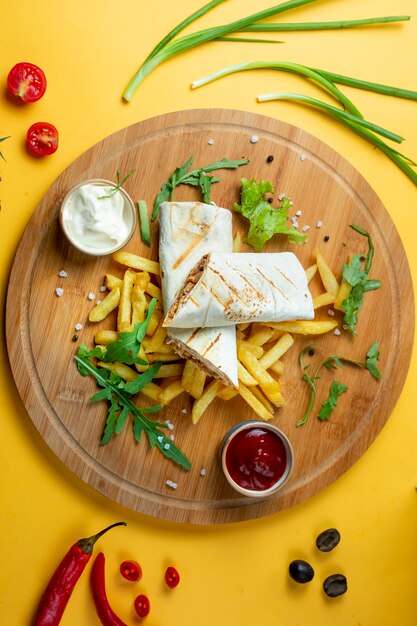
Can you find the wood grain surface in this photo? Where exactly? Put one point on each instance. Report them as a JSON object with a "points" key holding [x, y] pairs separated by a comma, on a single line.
{"points": [[40, 325]]}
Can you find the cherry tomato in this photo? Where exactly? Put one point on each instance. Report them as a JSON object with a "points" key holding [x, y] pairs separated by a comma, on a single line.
{"points": [[27, 82], [172, 577], [131, 570], [42, 138], [142, 605]]}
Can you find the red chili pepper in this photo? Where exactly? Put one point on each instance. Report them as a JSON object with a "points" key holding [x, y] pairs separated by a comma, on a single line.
{"points": [[59, 589], [172, 577], [98, 586], [131, 570], [142, 605]]}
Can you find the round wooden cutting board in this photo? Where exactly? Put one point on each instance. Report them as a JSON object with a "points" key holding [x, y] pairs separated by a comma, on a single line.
{"points": [[40, 326]]}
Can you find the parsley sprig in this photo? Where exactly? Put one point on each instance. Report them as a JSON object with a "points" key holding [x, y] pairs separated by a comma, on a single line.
{"points": [[195, 178], [337, 388], [356, 274], [115, 188], [118, 392], [3, 139]]}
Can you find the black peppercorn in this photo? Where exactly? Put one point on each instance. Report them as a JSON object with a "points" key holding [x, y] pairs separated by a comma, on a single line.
{"points": [[326, 238], [75, 338], [270, 158]]}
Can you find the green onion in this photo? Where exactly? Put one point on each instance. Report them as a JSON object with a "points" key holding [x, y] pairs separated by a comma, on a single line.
{"points": [[145, 232], [248, 39], [399, 159], [182, 44], [338, 24], [368, 86], [342, 115], [295, 68]]}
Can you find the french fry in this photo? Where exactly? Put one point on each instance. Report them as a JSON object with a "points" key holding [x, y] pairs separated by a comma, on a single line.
{"points": [[139, 304], [324, 299], [104, 337], [170, 392], [197, 383], [305, 327], [106, 306], [342, 294], [187, 375], [243, 326], [154, 291], [152, 391], [254, 403], [124, 315], [122, 370], [167, 348], [170, 370], [227, 393], [277, 367], [111, 281], [162, 357], [328, 279], [136, 262], [262, 399], [283, 344], [311, 272], [269, 385], [157, 339], [208, 395], [153, 323], [244, 376], [237, 242], [142, 280], [257, 351], [261, 335], [142, 355]]}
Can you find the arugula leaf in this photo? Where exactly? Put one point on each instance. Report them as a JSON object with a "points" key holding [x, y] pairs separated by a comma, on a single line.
{"points": [[126, 348], [327, 408], [195, 178], [115, 188], [121, 406], [143, 379], [333, 362], [265, 220], [357, 277]]}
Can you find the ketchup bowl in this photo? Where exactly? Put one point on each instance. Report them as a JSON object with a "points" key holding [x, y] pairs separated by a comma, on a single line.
{"points": [[97, 217], [257, 458]]}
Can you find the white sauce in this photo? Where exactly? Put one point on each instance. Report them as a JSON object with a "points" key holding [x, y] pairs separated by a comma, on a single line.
{"points": [[96, 222]]}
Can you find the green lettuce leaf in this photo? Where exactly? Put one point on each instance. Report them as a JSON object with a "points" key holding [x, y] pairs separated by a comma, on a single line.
{"points": [[265, 220]]}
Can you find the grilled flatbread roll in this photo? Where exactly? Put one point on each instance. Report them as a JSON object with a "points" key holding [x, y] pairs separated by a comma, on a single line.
{"points": [[188, 231], [227, 289]]}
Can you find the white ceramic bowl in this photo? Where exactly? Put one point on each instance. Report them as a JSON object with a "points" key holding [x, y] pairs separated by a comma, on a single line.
{"points": [[129, 215], [262, 493]]}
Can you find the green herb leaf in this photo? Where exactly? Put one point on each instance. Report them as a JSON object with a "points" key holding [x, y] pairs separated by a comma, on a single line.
{"points": [[143, 379], [265, 220], [357, 277], [115, 188], [127, 347], [195, 178], [333, 362], [327, 408], [120, 406], [145, 232]]}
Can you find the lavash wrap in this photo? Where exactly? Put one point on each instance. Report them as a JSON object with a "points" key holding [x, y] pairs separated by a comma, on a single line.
{"points": [[227, 289], [188, 231]]}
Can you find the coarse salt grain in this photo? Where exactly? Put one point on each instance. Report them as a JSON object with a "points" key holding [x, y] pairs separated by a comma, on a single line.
{"points": [[319, 224], [336, 332], [172, 437], [98, 302], [210, 142], [202, 472], [295, 224], [281, 196], [91, 296], [294, 219], [184, 411], [103, 288], [170, 425], [330, 312], [305, 228], [299, 213], [59, 291], [167, 446], [78, 326], [160, 438], [302, 157], [254, 139], [62, 274], [170, 483]]}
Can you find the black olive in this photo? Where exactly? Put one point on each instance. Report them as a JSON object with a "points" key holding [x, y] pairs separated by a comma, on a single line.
{"points": [[301, 571], [335, 585], [328, 539]]}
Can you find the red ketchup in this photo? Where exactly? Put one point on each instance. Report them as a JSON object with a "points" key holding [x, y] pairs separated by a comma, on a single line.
{"points": [[256, 458]]}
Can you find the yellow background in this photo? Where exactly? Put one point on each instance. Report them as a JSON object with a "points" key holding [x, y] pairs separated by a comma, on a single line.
{"points": [[232, 575]]}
